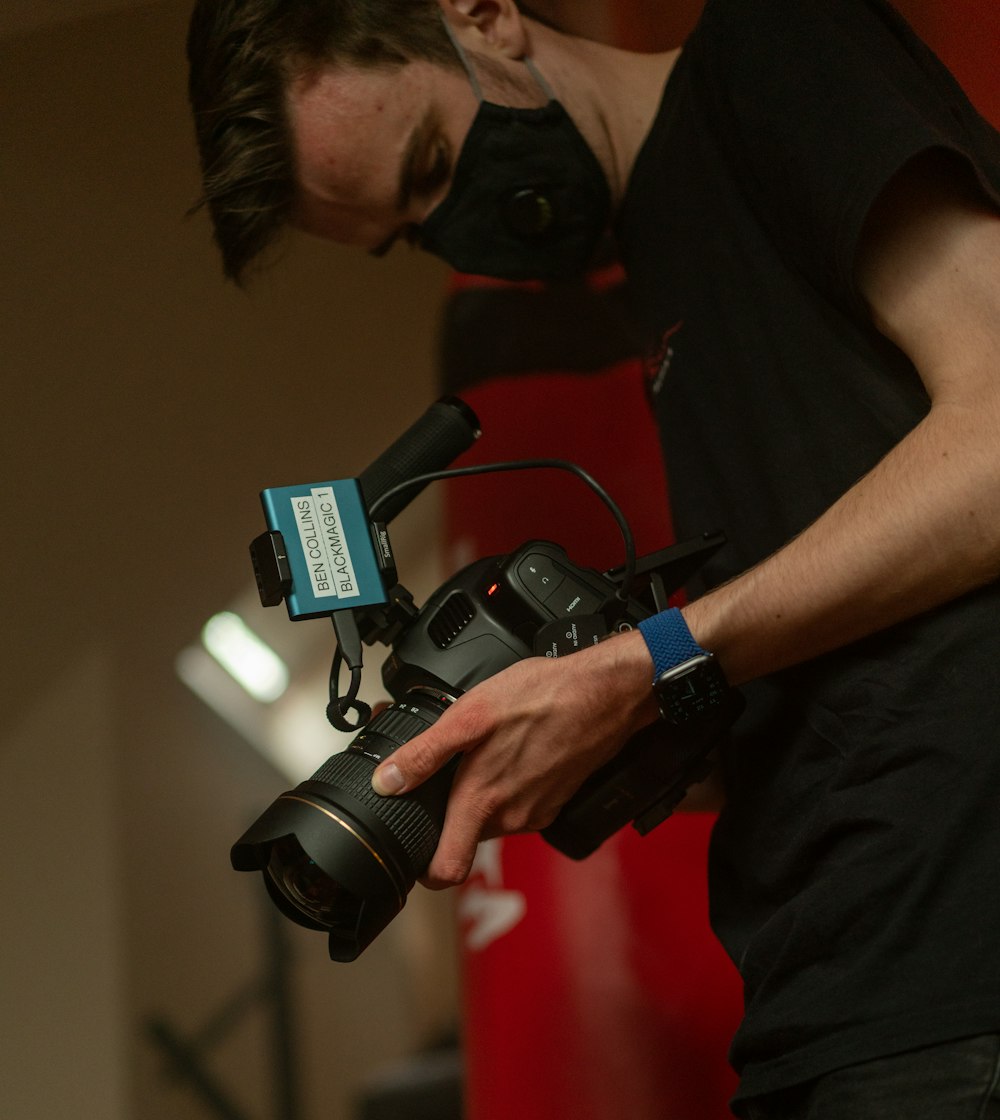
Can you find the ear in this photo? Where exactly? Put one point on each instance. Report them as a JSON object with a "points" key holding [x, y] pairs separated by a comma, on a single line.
{"points": [[487, 26]]}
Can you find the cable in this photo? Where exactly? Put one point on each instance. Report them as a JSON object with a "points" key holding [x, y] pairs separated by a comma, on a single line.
{"points": [[628, 576], [348, 649]]}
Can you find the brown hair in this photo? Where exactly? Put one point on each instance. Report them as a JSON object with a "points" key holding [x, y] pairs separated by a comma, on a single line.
{"points": [[242, 55]]}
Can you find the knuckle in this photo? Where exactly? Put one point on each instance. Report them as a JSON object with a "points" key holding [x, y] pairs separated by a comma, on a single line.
{"points": [[542, 818], [490, 806], [447, 872], [473, 716], [418, 757], [454, 873], [528, 818]]}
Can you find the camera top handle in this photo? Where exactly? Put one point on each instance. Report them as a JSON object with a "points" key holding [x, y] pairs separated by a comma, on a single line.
{"points": [[431, 443]]}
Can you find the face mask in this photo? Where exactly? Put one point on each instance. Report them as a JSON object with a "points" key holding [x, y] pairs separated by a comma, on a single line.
{"points": [[528, 199]]}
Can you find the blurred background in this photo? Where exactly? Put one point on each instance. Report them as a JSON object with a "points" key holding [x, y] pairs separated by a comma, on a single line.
{"points": [[145, 405]]}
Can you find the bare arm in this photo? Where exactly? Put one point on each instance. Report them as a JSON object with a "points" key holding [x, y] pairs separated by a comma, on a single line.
{"points": [[921, 528]]}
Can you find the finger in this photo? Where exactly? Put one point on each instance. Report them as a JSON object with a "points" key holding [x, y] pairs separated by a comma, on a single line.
{"points": [[414, 762], [452, 861]]}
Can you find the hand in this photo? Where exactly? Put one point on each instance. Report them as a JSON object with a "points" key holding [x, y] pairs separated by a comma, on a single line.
{"points": [[530, 736]]}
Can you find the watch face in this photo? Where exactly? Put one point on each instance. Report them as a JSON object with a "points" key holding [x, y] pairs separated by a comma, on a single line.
{"points": [[693, 692]]}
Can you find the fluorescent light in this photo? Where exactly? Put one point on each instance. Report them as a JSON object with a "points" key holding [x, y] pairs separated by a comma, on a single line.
{"points": [[247, 659]]}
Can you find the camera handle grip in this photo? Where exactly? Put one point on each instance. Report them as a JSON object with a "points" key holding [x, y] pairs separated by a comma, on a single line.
{"points": [[431, 443]]}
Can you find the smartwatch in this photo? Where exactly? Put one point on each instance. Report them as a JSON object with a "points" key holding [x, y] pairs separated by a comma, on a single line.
{"points": [[692, 691]]}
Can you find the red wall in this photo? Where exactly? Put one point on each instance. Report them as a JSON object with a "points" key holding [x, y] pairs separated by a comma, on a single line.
{"points": [[601, 991]]}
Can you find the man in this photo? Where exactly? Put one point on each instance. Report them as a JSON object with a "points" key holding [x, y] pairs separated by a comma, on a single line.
{"points": [[808, 212]]}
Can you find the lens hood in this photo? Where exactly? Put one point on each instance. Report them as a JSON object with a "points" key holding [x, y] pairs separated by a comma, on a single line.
{"points": [[348, 844]]}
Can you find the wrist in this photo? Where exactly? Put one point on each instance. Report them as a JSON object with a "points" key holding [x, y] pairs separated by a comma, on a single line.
{"points": [[691, 690], [631, 665], [669, 640]]}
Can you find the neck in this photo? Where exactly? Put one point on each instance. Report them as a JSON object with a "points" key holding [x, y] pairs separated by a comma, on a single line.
{"points": [[611, 94]]}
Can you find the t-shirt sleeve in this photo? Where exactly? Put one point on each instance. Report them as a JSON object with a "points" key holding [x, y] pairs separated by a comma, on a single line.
{"points": [[817, 104]]}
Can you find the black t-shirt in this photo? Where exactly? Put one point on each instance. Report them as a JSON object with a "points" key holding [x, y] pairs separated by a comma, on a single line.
{"points": [[852, 870]]}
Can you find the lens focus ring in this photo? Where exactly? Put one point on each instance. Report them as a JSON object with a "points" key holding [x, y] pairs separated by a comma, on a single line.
{"points": [[414, 828]]}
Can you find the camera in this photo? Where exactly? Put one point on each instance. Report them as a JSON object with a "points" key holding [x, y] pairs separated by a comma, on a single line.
{"points": [[339, 858]]}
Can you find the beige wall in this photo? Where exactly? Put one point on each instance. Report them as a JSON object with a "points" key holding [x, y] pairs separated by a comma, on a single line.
{"points": [[63, 1041], [144, 405]]}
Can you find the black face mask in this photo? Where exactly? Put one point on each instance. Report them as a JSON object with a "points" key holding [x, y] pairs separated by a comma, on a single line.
{"points": [[528, 199]]}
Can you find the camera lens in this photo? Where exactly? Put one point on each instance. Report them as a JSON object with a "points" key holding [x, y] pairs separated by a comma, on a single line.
{"points": [[307, 886], [338, 857]]}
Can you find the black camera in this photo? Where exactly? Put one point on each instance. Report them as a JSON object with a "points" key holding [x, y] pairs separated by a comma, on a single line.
{"points": [[336, 856]]}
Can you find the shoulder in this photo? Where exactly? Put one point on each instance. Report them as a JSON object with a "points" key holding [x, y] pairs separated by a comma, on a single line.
{"points": [[928, 266]]}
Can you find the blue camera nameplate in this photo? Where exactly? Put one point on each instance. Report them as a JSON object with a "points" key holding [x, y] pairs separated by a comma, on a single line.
{"points": [[329, 545]]}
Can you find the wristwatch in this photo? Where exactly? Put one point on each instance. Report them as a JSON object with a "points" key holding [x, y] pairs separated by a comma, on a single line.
{"points": [[692, 691]]}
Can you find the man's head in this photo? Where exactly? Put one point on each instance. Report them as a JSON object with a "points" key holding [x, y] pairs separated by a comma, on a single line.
{"points": [[367, 121], [244, 55]]}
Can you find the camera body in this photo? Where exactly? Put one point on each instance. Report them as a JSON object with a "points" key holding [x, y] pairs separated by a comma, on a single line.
{"points": [[536, 602], [337, 857]]}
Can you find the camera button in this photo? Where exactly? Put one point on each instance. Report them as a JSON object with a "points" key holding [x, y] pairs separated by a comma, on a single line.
{"points": [[571, 599], [540, 576]]}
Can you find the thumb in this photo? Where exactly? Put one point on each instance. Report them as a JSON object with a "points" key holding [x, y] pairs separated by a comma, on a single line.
{"points": [[388, 779], [414, 762]]}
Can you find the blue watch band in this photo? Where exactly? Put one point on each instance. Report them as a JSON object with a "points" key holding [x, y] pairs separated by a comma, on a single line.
{"points": [[669, 640]]}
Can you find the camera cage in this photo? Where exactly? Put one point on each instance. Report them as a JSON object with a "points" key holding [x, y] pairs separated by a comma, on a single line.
{"points": [[650, 579]]}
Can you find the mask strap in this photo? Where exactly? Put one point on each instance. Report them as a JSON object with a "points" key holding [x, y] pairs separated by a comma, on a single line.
{"points": [[474, 81], [533, 71]]}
